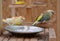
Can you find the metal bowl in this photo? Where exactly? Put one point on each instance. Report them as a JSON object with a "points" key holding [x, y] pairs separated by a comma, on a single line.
{"points": [[24, 29]]}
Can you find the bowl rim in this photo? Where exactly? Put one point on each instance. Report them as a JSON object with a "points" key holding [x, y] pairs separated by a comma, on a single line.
{"points": [[24, 32]]}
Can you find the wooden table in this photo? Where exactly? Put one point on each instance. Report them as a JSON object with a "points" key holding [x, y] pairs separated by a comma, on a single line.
{"points": [[6, 36]]}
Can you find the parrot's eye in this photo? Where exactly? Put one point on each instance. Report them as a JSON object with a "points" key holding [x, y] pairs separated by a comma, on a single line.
{"points": [[52, 12]]}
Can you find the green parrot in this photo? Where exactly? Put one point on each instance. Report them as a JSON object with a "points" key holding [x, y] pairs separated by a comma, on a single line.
{"points": [[44, 17]]}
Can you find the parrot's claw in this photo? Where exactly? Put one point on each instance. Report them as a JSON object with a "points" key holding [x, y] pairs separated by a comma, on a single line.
{"points": [[44, 22]]}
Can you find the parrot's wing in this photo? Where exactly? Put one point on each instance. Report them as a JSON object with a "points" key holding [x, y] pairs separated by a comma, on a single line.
{"points": [[39, 18], [46, 17]]}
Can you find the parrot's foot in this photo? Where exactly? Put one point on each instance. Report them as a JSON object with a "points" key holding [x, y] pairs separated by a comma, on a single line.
{"points": [[44, 22]]}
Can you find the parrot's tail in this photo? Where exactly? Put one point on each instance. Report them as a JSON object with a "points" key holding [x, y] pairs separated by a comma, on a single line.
{"points": [[35, 23]]}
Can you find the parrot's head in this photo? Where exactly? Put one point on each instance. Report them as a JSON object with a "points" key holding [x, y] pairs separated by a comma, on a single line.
{"points": [[50, 12]]}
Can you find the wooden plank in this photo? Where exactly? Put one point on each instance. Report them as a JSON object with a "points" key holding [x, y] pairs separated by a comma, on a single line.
{"points": [[28, 2], [52, 39], [12, 39], [33, 39], [39, 0], [1, 27], [6, 35], [29, 13], [13, 1], [16, 6], [26, 39], [1, 38], [6, 39], [58, 20], [52, 33], [20, 39]]}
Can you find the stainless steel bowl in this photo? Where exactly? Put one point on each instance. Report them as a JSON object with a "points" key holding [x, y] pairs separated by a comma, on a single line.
{"points": [[24, 29]]}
